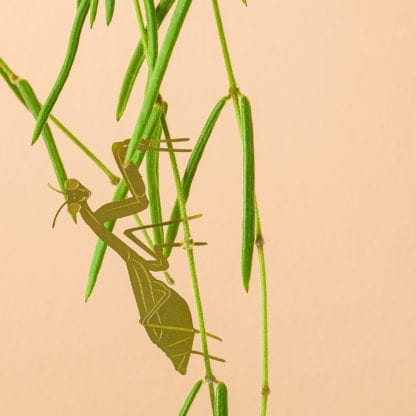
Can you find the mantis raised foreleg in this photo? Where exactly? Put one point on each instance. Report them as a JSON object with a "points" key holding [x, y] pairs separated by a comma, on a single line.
{"points": [[164, 314]]}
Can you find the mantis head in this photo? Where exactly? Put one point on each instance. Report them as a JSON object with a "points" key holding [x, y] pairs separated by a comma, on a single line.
{"points": [[76, 193]]}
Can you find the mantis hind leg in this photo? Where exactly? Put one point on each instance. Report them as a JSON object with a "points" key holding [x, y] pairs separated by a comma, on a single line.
{"points": [[154, 310], [167, 294], [182, 329]]}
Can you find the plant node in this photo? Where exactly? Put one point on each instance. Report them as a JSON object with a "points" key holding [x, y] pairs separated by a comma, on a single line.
{"points": [[210, 379], [188, 244], [259, 241], [265, 391], [234, 91]]}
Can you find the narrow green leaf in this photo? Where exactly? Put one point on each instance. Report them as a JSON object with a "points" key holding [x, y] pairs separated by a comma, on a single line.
{"points": [[190, 399], [191, 169], [158, 73], [153, 192], [65, 70], [244, 2], [93, 11], [109, 10], [249, 200], [33, 104], [221, 400], [136, 61], [11, 78], [120, 193], [152, 40]]}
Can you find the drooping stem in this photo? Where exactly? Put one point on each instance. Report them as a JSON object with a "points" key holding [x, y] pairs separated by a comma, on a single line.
{"points": [[265, 389], [224, 46], [113, 178], [209, 376], [142, 28], [234, 91]]}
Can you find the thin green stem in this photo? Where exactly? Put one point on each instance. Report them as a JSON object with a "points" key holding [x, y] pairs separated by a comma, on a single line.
{"points": [[113, 178], [142, 27], [224, 46], [235, 95], [209, 376], [234, 92], [265, 389]]}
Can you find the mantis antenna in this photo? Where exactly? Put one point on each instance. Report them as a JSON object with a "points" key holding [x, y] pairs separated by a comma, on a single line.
{"points": [[60, 208], [57, 190], [57, 213]]}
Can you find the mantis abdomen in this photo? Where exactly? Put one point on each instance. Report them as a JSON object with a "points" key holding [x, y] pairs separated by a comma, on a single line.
{"points": [[165, 315]]}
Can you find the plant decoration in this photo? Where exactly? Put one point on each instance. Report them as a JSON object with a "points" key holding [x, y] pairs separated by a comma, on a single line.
{"points": [[164, 313]]}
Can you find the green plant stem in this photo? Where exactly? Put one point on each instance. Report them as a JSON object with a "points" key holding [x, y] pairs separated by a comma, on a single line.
{"points": [[142, 28], [113, 178], [224, 46], [235, 93], [209, 376], [265, 389]]}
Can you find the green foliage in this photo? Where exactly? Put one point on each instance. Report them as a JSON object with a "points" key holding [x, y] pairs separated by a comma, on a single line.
{"points": [[249, 198], [190, 399], [109, 10], [151, 128], [93, 11], [221, 400], [65, 70]]}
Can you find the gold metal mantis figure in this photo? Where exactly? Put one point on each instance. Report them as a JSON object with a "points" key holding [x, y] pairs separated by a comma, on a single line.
{"points": [[164, 314]]}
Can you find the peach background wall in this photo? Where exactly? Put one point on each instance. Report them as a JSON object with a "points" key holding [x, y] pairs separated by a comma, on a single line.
{"points": [[333, 88]]}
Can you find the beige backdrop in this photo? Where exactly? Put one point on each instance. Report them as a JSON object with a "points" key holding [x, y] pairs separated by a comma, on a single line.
{"points": [[333, 89]]}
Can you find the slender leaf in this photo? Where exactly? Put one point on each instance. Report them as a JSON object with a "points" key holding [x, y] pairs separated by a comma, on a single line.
{"points": [[221, 400], [249, 200], [136, 61], [93, 11], [120, 193], [190, 399], [191, 169], [33, 104], [158, 73], [65, 70], [152, 40], [109, 10], [12, 79]]}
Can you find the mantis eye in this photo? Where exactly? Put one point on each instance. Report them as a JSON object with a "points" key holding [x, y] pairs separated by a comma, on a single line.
{"points": [[71, 184]]}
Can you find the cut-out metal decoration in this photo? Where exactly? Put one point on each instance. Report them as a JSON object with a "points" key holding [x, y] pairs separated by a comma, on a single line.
{"points": [[164, 314]]}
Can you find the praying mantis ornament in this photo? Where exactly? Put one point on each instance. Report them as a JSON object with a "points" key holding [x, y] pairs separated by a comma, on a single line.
{"points": [[164, 314]]}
